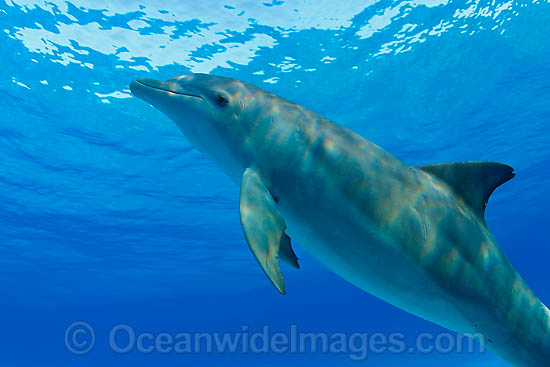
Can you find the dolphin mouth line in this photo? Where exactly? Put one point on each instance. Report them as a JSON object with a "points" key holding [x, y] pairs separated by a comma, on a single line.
{"points": [[170, 91]]}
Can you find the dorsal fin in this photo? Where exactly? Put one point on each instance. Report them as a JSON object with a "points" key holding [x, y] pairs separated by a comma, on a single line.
{"points": [[473, 181]]}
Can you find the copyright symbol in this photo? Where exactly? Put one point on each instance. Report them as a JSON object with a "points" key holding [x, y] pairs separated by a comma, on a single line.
{"points": [[79, 338]]}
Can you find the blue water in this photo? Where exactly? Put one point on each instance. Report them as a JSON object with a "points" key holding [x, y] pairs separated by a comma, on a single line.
{"points": [[109, 216]]}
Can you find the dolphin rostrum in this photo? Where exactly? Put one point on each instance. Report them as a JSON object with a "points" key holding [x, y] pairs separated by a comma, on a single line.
{"points": [[415, 237]]}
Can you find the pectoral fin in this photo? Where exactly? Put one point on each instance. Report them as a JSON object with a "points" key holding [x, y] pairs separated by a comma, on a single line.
{"points": [[286, 253], [264, 227]]}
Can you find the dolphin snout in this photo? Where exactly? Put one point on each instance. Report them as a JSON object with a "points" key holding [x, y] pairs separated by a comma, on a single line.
{"points": [[150, 88], [143, 84]]}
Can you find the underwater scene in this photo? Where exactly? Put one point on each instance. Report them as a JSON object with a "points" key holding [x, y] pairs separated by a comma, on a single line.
{"points": [[179, 187]]}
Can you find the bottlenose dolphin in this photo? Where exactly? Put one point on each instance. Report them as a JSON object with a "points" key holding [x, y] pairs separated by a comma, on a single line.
{"points": [[415, 237]]}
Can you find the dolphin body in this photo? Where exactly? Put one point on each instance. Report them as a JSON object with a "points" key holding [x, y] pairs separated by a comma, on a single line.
{"points": [[413, 236]]}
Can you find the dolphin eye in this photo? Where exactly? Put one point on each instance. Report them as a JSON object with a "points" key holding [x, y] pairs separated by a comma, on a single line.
{"points": [[222, 101]]}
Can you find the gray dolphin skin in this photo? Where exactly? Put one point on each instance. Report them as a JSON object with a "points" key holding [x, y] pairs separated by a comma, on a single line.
{"points": [[415, 237]]}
